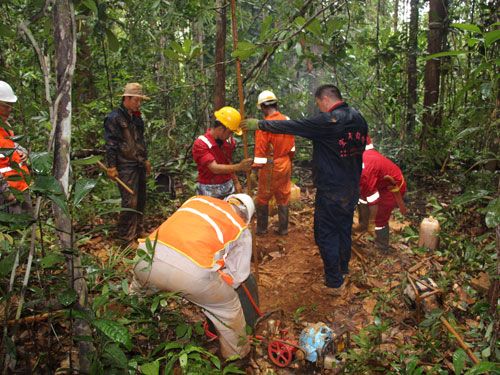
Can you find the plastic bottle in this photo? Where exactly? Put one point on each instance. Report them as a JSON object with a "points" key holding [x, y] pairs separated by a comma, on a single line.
{"points": [[429, 233]]}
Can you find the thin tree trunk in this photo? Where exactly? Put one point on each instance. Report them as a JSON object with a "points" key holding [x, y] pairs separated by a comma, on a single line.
{"points": [[200, 38], [395, 16], [65, 61], [220, 55], [432, 114], [412, 70]]}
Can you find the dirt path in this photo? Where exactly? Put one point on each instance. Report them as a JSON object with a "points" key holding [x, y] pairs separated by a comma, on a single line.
{"points": [[291, 264]]}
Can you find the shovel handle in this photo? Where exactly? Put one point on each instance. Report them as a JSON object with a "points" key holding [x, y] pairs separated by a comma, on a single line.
{"points": [[117, 179]]}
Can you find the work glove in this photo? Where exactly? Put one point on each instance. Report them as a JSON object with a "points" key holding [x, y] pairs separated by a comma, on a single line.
{"points": [[245, 165], [147, 165], [112, 172], [250, 124]]}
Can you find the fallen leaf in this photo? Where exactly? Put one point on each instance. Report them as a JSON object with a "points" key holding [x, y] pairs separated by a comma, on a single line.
{"points": [[369, 304]]}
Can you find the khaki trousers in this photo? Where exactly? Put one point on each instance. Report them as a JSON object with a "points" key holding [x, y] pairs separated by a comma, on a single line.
{"points": [[206, 289]]}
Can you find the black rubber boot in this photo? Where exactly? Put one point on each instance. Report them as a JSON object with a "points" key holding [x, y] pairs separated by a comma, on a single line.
{"points": [[363, 217], [262, 219], [282, 220], [382, 239]]}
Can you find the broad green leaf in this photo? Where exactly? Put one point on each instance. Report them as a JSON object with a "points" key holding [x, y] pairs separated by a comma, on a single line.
{"points": [[493, 213], [486, 352], [67, 297], [86, 161], [91, 5], [181, 330], [51, 259], [114, 353], [244, 50], [265, 27], [483, 368], [177, 47], [314, 27], [300, 21], [41, 162], [172, 345], [114, 331], [151, 368], [491, 37], [47, 185], [183, 360], [459, 358], [298, 49], [82, 188], [470, 196], [6, 264], [232, 369], [60, 201], [444, 54], [113, 42], [467, 27]]}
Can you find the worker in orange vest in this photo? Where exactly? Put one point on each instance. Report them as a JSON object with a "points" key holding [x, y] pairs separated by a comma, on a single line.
{"points": [[213, 155], [382, 187], [203, 251], [273, 158], [14, 172]]}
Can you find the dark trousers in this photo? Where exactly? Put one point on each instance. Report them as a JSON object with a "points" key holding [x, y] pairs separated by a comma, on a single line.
{"points": [[333, 214], [130, 223]]}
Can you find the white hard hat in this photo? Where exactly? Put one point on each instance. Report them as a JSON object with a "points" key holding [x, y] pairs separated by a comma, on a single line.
{"points": [[244, 200], [6, 93], [266, 96]]}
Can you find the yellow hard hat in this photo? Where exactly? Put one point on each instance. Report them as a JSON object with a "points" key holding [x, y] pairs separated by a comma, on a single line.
{"points": [[266, 96], [230, 118]]}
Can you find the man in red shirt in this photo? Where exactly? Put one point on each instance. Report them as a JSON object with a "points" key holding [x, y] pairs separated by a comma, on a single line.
{"points": [[382, 186], [273, 158], [213, 154]]}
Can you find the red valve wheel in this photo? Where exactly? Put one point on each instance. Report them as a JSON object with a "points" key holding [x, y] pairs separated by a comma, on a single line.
{"points": [[280, 354]]}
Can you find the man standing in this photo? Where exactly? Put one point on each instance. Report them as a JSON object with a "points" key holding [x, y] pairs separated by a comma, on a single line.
{"points": [[273, 157], [339, 135], [213, 154], [13, 169], [382, 188], [127, 158], [203, 251]]}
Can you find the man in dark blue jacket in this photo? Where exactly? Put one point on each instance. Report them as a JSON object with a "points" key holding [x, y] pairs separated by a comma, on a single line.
{"points": [[339, 137]]}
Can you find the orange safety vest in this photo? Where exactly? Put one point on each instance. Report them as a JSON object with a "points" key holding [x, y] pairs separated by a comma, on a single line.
{"points": [[200, 230], [11, 167]]}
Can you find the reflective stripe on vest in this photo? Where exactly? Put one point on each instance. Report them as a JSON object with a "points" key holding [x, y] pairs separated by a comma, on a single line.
{"points": [[200, 230], [258, 160]]}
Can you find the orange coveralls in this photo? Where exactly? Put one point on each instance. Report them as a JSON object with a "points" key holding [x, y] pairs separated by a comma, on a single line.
{"points": [[273, 155]]}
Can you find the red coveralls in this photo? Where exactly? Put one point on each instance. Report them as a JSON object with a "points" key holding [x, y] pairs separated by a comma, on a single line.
{"points": [[11, 167], [275, 174], [374, 189]]}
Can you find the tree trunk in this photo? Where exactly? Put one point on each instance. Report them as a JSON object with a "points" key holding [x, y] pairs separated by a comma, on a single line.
{"points": [[220, 55], [200, 38], [395, 16], [412, 69], [65, 61], [432, 113]]}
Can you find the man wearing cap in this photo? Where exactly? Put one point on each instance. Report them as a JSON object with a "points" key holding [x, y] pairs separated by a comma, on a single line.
{"points": [[213, 154], [273, 158], [127, 158], [14, 172], [205, 265]]}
